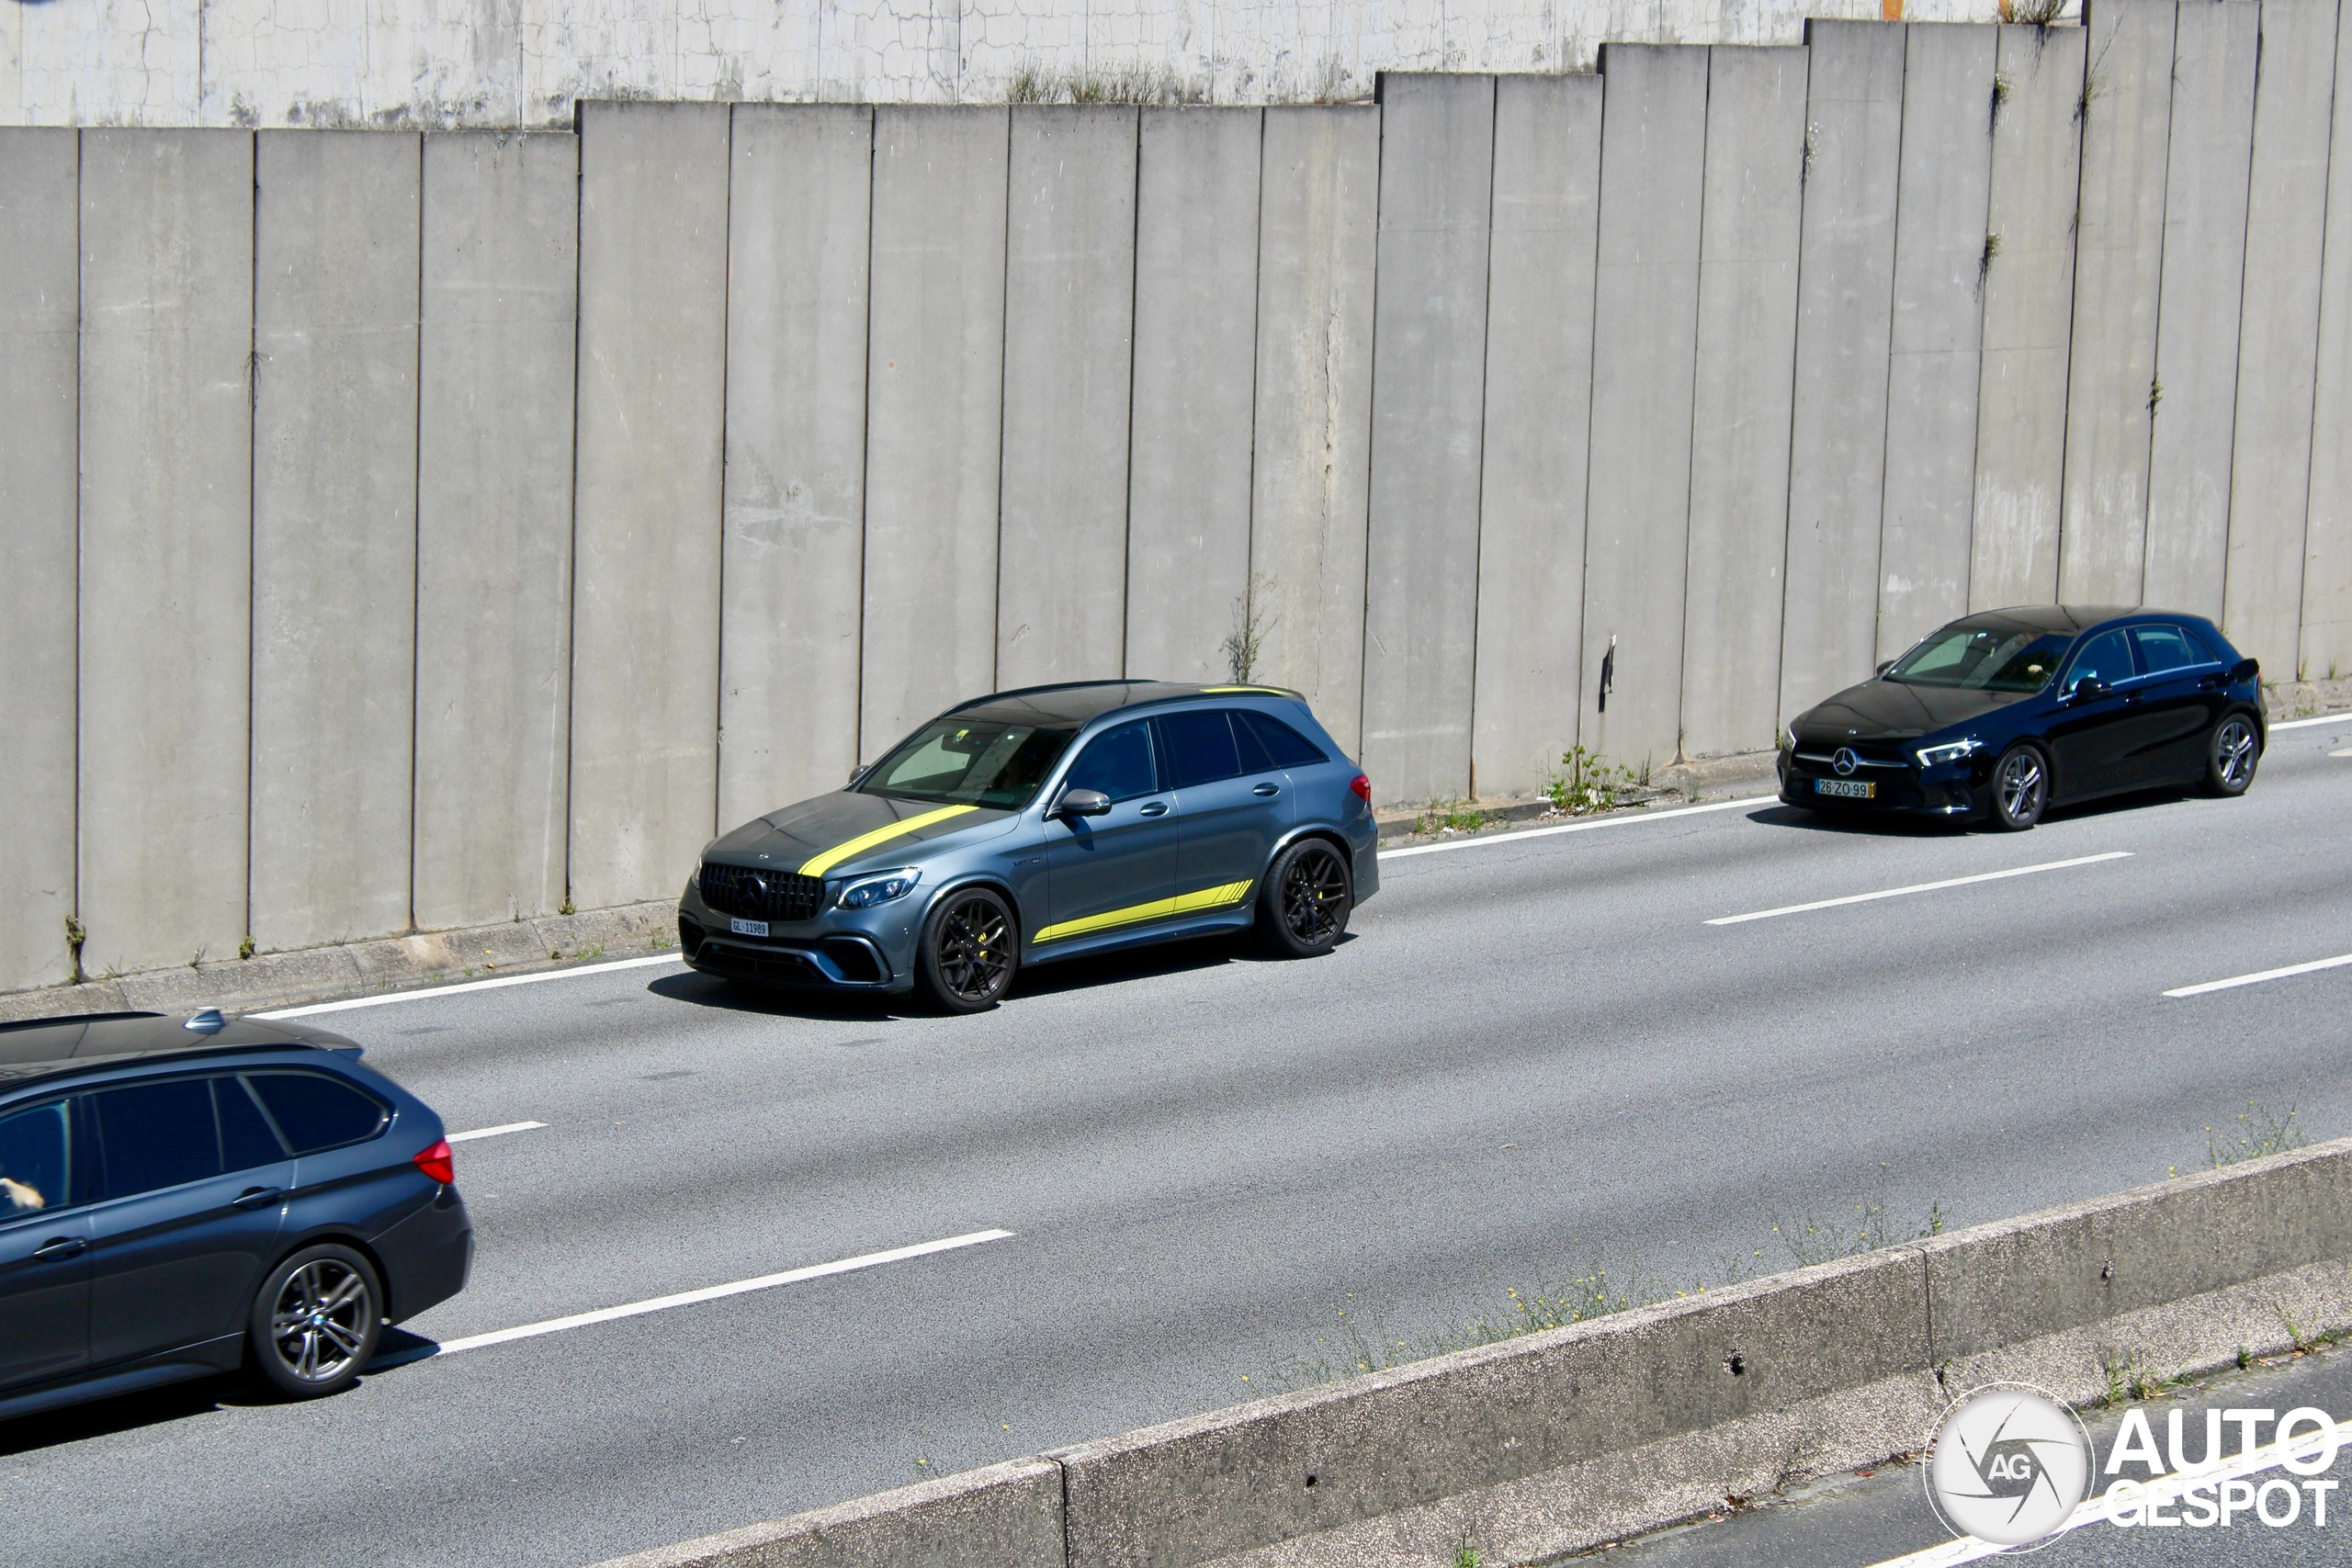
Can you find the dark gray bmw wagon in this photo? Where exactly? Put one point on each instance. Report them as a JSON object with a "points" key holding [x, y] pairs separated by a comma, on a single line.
{"points": [[180, 1199]]}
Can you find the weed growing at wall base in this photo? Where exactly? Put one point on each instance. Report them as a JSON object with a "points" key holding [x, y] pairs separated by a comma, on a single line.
{"points": [[2260, 1131]]}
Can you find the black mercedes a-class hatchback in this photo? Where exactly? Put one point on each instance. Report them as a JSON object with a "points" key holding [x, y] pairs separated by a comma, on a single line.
{"points": [[1999, 716], [182, 1198]]}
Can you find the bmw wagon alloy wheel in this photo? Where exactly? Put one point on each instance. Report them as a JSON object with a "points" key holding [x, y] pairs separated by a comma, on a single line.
{"points": [[2234, 752], [319, 1324], [1314, 895], [974, 948]]}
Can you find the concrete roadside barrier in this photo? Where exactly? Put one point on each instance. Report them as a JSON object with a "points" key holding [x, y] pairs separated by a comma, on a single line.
{"points": [[1543, 1445]]}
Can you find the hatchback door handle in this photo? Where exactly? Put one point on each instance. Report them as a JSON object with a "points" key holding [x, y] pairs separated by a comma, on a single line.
{"points": [[61, 1247], [259, 1197], [1267, 789], [1157, 808]]}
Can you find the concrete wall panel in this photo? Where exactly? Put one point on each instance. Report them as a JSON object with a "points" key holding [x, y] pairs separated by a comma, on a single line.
{"points": [[1195, 362], [2327, 544], [1538, 415], [1318, 235], [1845, 305], [647, 502], [2118, 270], [1428, 402], [493, 518], [2197, 318], [1739, 425], [2028, 314], [39, 315], [167, 416], [795, 539], [1068, 351], [1645, 322], [1942, 204], [2278, 358], [934, 401], [334, 533]]}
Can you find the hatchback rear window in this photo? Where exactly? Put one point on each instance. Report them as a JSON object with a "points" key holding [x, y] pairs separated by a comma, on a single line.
{"points": [[2167, 647], [318, 1113]]}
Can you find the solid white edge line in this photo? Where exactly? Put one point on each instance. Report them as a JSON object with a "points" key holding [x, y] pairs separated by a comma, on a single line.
{"points": [[1919, 887], [1614, 820], [2170, 1486], [2236, 980], [532, 978], [490, 1132], [689, 1298], [2342, 718]]}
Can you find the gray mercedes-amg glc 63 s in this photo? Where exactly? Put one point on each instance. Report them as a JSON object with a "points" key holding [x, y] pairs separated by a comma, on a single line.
{"points": [[1039, 824]]}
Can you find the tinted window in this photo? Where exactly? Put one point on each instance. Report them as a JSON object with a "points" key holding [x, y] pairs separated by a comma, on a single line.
{"points": [[33, 1146], [1200, 748], [156, 1135], [317, 1112], [1284, 746], [968, 762], [245, 1138], [1118, 763], [1980, 660], [2167, 647], [2108, 657]]}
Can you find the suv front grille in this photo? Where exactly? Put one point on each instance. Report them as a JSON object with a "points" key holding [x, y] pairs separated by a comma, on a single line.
{"points": [[762, 895]]}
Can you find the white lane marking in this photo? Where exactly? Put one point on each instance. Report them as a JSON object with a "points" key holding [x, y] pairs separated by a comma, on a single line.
{"points": [[2256, 979], [530, 979], [2346, 752], [1614, 820], [2344, 718], [1920, 887], [689, 1298], [491, 1131], [2164, 1488]]}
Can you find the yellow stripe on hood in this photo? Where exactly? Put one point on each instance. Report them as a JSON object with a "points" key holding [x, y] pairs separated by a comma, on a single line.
{"points": [[865, 841]]}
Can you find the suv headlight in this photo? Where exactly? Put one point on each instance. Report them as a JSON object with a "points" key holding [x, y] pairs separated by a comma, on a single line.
{"points": [[868, 891], [1952, 751]]}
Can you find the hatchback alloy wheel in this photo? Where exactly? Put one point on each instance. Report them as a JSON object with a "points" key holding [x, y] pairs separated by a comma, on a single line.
{"points": [[2020, 788], [2230, 767]]}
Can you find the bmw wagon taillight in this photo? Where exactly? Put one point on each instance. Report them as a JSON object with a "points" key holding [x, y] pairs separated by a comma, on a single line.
{"points": [[438, 1162], [1363, 786]]}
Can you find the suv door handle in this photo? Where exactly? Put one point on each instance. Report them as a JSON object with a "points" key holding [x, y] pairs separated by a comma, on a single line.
{"points": [[61, 1247], [257, 1197], [1267, 789], [1156, 809]]}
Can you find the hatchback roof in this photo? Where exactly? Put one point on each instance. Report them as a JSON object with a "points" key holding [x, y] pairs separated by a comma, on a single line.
{"points": [[2062, 619], [46, 1047], [1076, 701]]}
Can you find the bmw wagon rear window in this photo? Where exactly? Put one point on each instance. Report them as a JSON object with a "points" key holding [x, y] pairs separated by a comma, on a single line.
{"points": [[1982, 660], [316, 1111], [968, 762]]}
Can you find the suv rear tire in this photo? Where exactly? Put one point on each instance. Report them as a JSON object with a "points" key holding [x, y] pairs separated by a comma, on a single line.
{"points": [[315, 1320], [1302, 908]]}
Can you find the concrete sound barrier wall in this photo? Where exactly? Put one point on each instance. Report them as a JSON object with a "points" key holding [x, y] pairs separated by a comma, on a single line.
{"points": [[1543, 1445]]}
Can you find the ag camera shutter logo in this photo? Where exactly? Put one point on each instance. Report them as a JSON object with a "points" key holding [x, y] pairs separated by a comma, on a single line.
{"points": [[2009, 1465]]}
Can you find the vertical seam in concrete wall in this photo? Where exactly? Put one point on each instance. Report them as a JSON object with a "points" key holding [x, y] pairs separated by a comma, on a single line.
{"points": [[417, 543], [252, 469], [1698, 298], [2237, 382], [1976, 413], [726, 346], [2310, 447], [1894, 303], [2074, 302], [1486, 383], [571, 504], [81, 327], [1789, 485], [1591, 373], [865, 436], [2163, 257], [1135, 268], [1372, 379], [1257, 298], [1003, 355]]}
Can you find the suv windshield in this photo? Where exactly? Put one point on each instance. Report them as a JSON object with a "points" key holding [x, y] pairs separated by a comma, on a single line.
{"points": [[970, 761], [1982, 660]]}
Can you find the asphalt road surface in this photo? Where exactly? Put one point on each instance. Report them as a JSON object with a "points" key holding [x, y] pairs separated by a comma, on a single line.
{"points": [[1534, 1056]]}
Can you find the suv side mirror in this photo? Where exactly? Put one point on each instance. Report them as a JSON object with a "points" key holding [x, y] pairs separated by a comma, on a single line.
{"points": [[2244, 669], [858, 773], [2089, 686], [1080, 803]]}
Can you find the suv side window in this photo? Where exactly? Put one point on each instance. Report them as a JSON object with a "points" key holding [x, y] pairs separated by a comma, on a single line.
{"points": [[156, 1135], [1282, 746], [316, 1111], [35, 1149], [2108, 657], [1200, 748], [1118, 763], [2167, 647]]}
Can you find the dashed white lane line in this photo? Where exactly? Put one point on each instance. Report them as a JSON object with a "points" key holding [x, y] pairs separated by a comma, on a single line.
{"points": [[688, 1298], [530, 979], [1615, 820], [2343, 718], [1919, 887], [492, 1132], [2256, 979]]}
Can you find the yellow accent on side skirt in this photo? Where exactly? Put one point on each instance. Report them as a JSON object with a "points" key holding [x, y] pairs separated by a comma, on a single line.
{"points": [[865, 841], [1232, 893]]}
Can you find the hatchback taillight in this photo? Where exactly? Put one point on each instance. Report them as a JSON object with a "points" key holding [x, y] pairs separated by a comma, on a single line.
{"points": [[1363, 786], [438, 1162]]}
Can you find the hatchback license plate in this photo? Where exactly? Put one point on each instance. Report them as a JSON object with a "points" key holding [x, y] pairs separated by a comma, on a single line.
{"points": [[1852, 789], [747, 928]]}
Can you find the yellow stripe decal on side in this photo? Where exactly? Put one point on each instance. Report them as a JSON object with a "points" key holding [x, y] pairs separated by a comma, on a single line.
{"points": [[1182, 904], [865, 841]]}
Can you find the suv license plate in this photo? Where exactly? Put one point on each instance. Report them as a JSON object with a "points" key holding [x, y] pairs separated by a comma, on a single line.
{"points": [[747, 928], [1852, 789]]}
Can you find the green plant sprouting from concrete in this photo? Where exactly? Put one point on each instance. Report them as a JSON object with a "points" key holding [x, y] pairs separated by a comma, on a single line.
{"points": [[1589, 782], [2126, 1379], [2260, 1131], [1809, 1240], [1251, 621], [75, 937]]}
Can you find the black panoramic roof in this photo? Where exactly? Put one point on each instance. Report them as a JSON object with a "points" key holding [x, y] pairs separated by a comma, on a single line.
{"points": [[2060, 620], [48, 1047], [1076, 701]]}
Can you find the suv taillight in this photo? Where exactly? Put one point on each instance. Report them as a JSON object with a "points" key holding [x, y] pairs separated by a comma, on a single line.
{"points": [[1363, 786], [438, 1162]]}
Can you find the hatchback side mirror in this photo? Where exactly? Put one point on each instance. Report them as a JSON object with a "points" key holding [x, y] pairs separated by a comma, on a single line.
{"points": [[2089, 686], [2244, 669], [1885, 667], [1081, 803]]}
